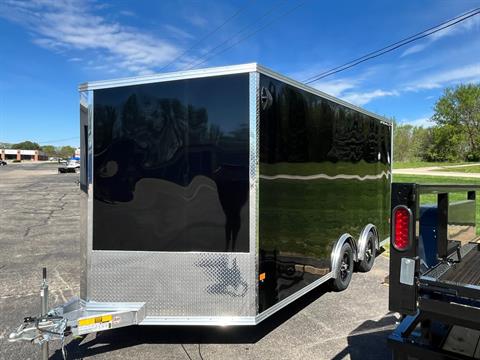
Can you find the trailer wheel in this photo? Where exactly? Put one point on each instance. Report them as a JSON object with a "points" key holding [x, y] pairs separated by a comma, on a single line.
{"points": [[344, 268], [369, 257]]}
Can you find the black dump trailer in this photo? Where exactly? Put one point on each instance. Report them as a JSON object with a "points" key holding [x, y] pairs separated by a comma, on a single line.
{"points": [[435, 272], [218, 196]]}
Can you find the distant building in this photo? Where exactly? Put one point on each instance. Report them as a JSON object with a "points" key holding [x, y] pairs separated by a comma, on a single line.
{"points": [[14, 154]]}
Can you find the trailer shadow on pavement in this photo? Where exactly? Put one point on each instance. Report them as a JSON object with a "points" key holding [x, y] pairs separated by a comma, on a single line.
{"points": [[131, 336], [368, 338], [368, 341]]}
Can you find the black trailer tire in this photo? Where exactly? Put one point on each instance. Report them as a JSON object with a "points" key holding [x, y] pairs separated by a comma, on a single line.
{"points": [[369, 257], [344, 268]]}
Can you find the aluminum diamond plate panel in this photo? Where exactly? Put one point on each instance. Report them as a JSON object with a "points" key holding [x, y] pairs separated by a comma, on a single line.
{"points": [[176, 284]]}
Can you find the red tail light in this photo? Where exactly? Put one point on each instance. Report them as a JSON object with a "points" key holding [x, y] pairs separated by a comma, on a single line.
{"points": [[402, 219]]}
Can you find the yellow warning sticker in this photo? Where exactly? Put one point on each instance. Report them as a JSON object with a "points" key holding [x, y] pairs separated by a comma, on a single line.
{"points": [[95, 320], [94, 324]]}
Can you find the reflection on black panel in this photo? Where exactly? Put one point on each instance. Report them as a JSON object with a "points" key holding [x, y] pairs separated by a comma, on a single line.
{"points": [[324, 171], [171, 166]]}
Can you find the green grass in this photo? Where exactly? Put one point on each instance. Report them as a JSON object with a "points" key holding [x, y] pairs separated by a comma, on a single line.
{"points": [[420, 179], [419, 164], [465, 169]]}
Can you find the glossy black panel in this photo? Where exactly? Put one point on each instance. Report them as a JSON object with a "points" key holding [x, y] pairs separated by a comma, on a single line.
{"points": [[324, 171], [171, 166]]}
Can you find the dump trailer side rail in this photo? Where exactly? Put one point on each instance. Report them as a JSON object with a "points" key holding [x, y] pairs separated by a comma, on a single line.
{"points": [[439, 300]]}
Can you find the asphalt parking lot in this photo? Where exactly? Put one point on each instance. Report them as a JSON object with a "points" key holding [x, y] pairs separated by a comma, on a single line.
{"points": [[39, 226]]}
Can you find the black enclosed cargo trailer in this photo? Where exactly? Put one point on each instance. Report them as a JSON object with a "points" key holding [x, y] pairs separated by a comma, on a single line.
{"points": [[218, 196], [434, 272]]}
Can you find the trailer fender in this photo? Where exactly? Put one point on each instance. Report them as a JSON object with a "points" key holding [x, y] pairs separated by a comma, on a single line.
{"points": [[337, 248], [362, 240]]}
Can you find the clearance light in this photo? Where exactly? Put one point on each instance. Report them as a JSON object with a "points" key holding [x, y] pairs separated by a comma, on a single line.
{"points": [[402, 218]]}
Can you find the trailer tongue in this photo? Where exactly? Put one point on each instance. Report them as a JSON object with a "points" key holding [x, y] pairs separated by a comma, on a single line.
{"points": [[76, 317], [435, 278]]}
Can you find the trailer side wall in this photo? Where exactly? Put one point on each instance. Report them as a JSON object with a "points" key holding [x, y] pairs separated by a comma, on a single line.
{"points": [[324, 171]]}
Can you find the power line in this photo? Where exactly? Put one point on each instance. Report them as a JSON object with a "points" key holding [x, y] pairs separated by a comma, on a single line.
{"points": [[250, 25], [44, 142], [394, 46], [238, 12], [58, 140], [388, 46], [248, 35]]}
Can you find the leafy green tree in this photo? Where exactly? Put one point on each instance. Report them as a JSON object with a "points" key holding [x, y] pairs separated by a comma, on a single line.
{"points": [[401, 142], [459, 109], [49, 150], [410, 142], [447, 143], [66, 151], [26, 145]]}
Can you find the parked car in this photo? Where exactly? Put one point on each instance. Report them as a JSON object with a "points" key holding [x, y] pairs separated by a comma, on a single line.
{"points": [[72, 166], [3, 163]]}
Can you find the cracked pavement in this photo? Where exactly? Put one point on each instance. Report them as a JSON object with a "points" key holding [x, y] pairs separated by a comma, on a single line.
{"points": [[39, 226]]}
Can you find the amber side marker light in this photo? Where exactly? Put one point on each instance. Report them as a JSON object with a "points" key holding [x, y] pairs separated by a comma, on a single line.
{"points": [[402, 228]]}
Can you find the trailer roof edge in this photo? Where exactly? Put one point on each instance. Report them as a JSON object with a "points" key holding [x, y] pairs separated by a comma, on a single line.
{"points": [[217, 71], [266, 71], [170, 76]]}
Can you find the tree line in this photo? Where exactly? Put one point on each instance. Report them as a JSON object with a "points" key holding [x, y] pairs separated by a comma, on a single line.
{"points": [[50, 150], [454, 136]]}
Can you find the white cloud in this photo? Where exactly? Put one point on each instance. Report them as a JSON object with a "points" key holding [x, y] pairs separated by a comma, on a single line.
{"points": [[362, 98], [196, 20], [335, 87], [464, 26], [177, 32], [422, 121], [348, 89], [128, 13], [67, 25], [414, 49], [468, 73]]}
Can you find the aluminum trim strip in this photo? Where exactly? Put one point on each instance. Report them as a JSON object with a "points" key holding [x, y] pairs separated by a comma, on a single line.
{"points": [[253, 176], [89, 239], [263, 70], [83, 194], [234, 320], [263, 315], [199, 320], [171, 76], [113, 306], [147, 252]]}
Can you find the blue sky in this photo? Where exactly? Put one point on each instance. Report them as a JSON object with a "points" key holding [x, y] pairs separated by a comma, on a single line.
{"points": [[48, 47]]}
